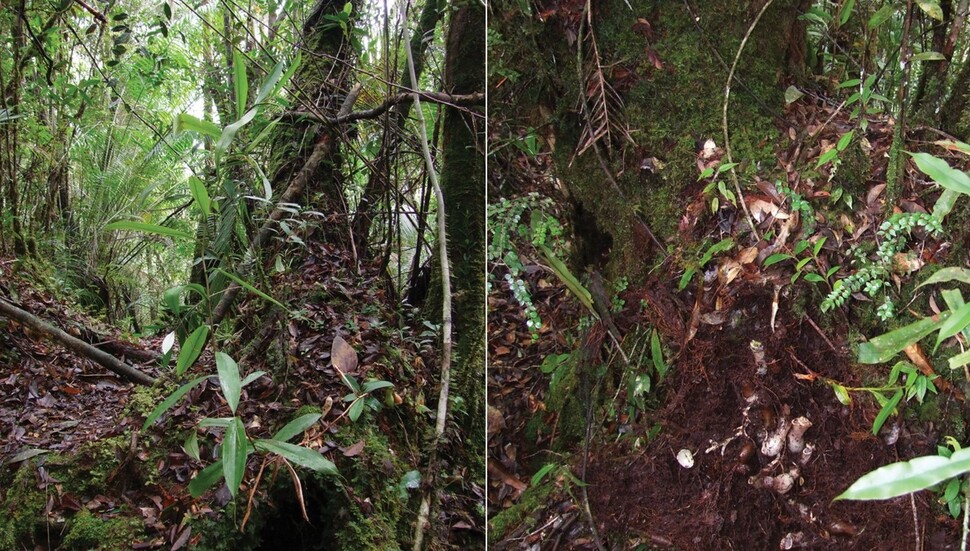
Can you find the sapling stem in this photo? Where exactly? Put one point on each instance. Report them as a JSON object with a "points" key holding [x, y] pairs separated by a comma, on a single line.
{"points": [[966, 517]]}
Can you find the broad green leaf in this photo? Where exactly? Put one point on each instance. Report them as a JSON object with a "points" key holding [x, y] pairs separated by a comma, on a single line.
{"points": [[932, 8], [356, 409], [250, 288], [960, 360], [817, 248], [881, 16], [953, 298], [928, 56], [954, 323], [147, 228], [301, 455], [234, 454], [217, 422], [191, 446], [200, 194], [882, 348], [845, 11], [827, 156], [170, 401], [776, 258], [541, 473], [205, 479], [251, 377], [717, 248], [944, 204], [269, 85], [568, 278], [410, 481], [844, 141], [229, 132], [229, 379], [842, 394], [952, 273], [850, 83], [907, 477], [887, 409], [656, 353], [193, 124], [376, 385], [942, 173], [296, 427], [191, 349], [240, 81]]}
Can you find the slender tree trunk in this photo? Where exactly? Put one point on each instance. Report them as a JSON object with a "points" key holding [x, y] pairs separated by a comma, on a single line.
{"points": [[463, 184]]}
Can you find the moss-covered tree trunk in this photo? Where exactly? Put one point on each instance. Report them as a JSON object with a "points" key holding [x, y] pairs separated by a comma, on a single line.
{"points": [[463, 185], [321, 82], [668, 62]]}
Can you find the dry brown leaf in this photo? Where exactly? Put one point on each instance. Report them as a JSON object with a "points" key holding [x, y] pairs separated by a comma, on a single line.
{"points": [[747, 255], [343, 356], [353, 450]]}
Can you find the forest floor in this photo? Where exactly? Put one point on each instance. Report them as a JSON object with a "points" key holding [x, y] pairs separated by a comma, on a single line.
{"points": [[681, 465], [77, 471]]}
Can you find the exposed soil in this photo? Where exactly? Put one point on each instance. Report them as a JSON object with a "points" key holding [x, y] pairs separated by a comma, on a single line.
{"points": [[647, 497]]}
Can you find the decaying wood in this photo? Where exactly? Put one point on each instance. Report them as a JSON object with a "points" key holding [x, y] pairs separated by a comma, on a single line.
{"points": [[75, 344]]}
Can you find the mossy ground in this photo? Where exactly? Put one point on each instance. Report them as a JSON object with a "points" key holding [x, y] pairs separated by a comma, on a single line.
{"points": [[21, 507]]}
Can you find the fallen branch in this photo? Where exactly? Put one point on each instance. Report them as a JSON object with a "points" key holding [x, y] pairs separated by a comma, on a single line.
{"points": [[75, 345]]}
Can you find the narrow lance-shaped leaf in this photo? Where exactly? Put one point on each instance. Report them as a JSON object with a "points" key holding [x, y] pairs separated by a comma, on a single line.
{"points": [[187, 122], [884, 347], [170, 401], [200, 194], [245, 285], [942, 173], [303, 456], [296, 427], [147, 228], [241, 82], [568, 278], [953, 324], [191, 349], [229, 379], [944, 275], [205, 479], [656, 352], [235, 450]]}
